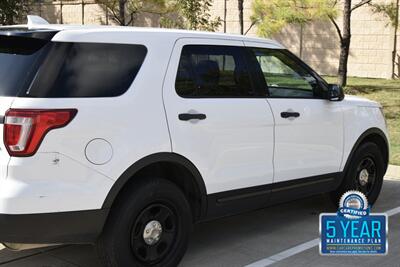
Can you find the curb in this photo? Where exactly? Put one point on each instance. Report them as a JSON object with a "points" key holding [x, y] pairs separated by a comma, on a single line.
{"points": [[393, 171]]}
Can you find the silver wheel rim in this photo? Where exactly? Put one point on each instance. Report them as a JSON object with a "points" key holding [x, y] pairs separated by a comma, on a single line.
{"points": [[152, 232], [366, 176], [363, 177]]}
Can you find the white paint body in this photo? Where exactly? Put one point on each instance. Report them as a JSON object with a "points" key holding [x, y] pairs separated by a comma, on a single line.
{"points": [[242, 143]]}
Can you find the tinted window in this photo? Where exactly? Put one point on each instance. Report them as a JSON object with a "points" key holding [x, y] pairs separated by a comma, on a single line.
{"points": [[19, 61], [284, 75], [213, 71], [87, 70]]}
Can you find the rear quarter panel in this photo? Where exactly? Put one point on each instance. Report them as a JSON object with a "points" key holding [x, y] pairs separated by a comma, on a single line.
{"points": [[134, 123]]}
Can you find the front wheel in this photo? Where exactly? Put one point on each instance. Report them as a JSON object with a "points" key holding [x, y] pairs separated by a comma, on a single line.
{"points": [[149, 226], [365, 173]]}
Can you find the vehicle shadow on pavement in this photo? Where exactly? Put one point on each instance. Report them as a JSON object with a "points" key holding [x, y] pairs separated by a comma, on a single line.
{"points": [[232, 241]]}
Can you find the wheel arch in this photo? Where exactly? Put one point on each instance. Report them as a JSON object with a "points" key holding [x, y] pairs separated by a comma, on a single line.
{"points": [[376, 136], [172, 167]]}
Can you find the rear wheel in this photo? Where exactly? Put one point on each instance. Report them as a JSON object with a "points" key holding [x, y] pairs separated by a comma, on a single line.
{"points": [[149, 226], [365, 173]]}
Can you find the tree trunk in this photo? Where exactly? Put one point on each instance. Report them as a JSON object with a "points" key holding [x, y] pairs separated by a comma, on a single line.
{"points": [[122, 12], [240, 7], [394, 53], [301, 41], [225, 13], [345, 44]]}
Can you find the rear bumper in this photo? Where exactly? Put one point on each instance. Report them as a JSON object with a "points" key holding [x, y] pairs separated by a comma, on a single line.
{"points": [[53, 228]]}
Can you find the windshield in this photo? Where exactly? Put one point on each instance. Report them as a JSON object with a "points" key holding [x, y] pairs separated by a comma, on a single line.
{"points": [[19, 60]]}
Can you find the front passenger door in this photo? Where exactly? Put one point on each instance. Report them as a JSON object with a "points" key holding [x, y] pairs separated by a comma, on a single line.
{"points": [[308, 128]]}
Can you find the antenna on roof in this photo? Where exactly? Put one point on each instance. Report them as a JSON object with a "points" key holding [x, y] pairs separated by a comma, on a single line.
{"points": [[36, 20]]}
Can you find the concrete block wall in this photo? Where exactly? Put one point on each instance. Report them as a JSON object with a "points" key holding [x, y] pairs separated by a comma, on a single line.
{"points": [[371, 46]]}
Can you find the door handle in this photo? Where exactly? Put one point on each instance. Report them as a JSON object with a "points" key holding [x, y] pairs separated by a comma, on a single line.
{"points": [[189, 116], [290, 114]]}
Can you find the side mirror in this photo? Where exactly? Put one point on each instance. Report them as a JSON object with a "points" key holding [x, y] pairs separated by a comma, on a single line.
{"points": [[335, 92]]}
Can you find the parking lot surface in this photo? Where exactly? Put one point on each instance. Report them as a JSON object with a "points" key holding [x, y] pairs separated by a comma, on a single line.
{"points": [[282, 235]]}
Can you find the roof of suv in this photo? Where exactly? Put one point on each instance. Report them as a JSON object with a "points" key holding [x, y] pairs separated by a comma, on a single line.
{"points": [[74, 32]]}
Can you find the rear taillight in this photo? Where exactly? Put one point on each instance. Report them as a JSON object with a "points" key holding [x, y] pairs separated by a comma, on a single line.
{"points": [[24, 129]]}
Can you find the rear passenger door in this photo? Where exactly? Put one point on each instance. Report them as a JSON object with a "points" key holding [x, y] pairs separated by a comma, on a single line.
{"points": [[216, 118]]}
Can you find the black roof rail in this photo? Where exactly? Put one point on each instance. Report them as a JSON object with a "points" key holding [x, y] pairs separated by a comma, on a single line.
{"points": [[44, 34], [39, 32]]}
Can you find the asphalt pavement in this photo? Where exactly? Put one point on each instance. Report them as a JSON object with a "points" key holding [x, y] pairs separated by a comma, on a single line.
{"points": [[283, 235]]}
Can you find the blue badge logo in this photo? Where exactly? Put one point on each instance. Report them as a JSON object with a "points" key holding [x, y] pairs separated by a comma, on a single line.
{"points": [[353, 230], [353, 205]]}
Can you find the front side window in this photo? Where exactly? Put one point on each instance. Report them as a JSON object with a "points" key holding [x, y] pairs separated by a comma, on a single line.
{"points": [[213, 71], [284, 76]]}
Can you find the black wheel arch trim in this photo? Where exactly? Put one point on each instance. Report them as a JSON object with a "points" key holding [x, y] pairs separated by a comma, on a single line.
{"points": [[157, 158], [361, 138]]}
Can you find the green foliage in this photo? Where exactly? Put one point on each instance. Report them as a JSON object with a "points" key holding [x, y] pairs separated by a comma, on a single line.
{"points": [[172, 20], [190, 14], [183, 14], [272, 15], [13, 11], [388, 10], [125, 12], [172, 17]]}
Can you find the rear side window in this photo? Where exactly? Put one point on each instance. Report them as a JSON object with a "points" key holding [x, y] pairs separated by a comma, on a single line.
{"points": [[213, 71], [87, 70], [19, 60]]}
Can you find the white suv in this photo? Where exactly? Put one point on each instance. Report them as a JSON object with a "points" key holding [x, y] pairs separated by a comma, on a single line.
{"points": [[125, 137]]}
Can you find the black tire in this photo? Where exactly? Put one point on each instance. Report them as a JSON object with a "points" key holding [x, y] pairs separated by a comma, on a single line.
{"points": [[369, 157], [122, 242]]}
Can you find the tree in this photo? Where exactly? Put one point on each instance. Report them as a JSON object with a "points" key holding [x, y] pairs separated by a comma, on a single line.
{"points": [[272, 15], [192, 15], [125, 12], [345, 36], [12, 11], [240, 8], [391, 11]]}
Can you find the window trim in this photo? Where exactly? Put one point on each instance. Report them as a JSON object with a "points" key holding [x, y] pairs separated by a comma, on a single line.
{"points": [[244, 58], [261, 81]]}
